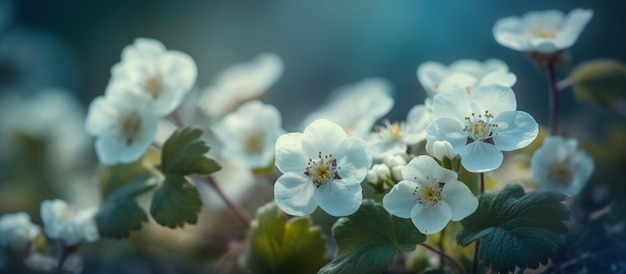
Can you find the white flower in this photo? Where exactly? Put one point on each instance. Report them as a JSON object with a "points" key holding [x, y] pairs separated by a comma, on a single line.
{"points": [[440, 150], [356, 107], [163, 77], [541, 31], [481, 126], [560, 166], [378, 172], [394, 138], [123, 126], [468, 74], [249, 134], [69, 224], [430, 195], [321, 166], [239, 84], [17, 231]]}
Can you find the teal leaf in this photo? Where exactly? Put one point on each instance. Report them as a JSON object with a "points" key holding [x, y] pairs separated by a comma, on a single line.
{"points": [[176, 203], [369, 239], [278, 245], [516, 228], [115, 177], [121, 213], [600, 82], [183, 154]]}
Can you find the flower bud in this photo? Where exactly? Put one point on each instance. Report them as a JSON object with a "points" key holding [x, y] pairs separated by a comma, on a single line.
{"points": [[395, 160], [396, 172], [441, 150]]}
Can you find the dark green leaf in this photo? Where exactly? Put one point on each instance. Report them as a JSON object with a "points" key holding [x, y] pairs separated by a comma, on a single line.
{"points": [[516, 228], [183, 154], [369, 239], [115, 177], [281, 246], [600, 82], [120, 213], [176, 202]]}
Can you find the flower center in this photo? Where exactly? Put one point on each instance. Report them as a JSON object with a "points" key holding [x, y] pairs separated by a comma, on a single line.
{"points": [[545, 31], [560, 173], [430, 193], [154, 86], [130, 126], [480, 128], [322, 170], [391, 132], [254, 144]]}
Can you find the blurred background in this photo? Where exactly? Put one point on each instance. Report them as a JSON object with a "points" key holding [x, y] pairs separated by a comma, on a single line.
{"points": [[324, 44]]}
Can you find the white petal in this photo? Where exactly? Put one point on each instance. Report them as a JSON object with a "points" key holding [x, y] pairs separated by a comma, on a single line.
{"points": [[507, 32], [458, 80], [500, 77], [99, 118], [355, 162], [495, 99], [339, 199], [289, 157], [481, 157], [51, 212], [572, 27], [294, 194], [460, 198], [416, 123], [400, 200], [432, 219], [455, 104], [516, 129], [430, 74], [321, 136], [446, 129]]}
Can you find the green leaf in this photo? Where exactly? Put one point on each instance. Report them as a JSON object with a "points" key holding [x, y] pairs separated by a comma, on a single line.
{"points": [[183, 154], [176, 202], [600, 82], [115, 177], [281, 246], [369, 239], [121, 213], [516, 228]]}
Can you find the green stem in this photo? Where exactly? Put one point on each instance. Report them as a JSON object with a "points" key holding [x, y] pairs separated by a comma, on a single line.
{"points": [[452, 261], [477, 245], [442, 234], [554, 97], [240, 214]]}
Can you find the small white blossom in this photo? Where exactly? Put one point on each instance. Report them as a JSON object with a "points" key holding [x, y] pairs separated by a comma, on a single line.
{"points": [[356, 107], [249, 134], [440, 150], [481, 126], [468, 74], [124, 128], [162, 77], [541, 31], [378, 172], [430, 195], [560, 166], [395, 138], [321, 166], [17, 231], [69, 224], [238, 84]]}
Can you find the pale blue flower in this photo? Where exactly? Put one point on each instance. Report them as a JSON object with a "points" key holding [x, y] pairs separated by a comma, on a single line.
{"points": [[481, 126], [560, 166], [69, 224], [321, 166]]}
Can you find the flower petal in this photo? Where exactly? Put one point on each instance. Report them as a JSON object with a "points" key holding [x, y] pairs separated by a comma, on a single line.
{"points": [[447, 129], [507, 32], [289, 156], [400, 200], [339, 199], [573, 25], [430, 74], [431, 219], [516, 129], [454, 103], [294, 194], [321, 136], [460, 198], [356, 161], [481, 157], [495, 99]]}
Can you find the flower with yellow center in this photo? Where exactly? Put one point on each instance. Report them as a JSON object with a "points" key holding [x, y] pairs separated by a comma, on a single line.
{"points": [[321, 167], [391, 139], [542, 31], [560, 166], [480, 126], [430, 195], [68, 224]]}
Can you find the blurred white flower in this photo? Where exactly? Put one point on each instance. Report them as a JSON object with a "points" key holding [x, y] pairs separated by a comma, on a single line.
{"points": [[17, 231], [321, 166], [48, 263], [162, 76], [235, 179], [395, 138], [541, 31], [240, 83], [560, 166], [249, 134], [356, 107], [69, 224], [468, 74], [378, 172], [123, 126], [481, 126], [430, 195]]}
